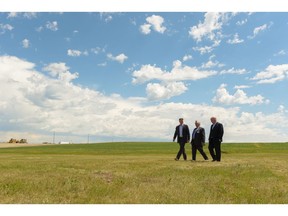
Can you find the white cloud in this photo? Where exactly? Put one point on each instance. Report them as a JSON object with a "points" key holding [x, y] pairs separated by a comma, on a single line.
{"points": [[272, 74], [239, 97], [61, 71], [211, 24], [97, 50], [156, 91], [242, 86], [48, 105], [39, 29], [28, 15], [76, 53], [233, 71], [103, 64], [178, 73], [259, 29], [187, 57], [107, 17], [235, 40], [5, 27], [155, 22], [119, 58], [282, 109], [53, 26], [73, 52], [26, 43], [145, 28], [207, 49], [242, 22], [280, 53], [203, 50], [211, 63]]}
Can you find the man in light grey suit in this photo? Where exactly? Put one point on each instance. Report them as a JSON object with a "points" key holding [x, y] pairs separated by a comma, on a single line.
{"points": [[198, 141]]}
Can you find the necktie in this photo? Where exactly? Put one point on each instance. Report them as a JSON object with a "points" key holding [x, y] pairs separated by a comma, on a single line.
{"points": [[194, 133]]}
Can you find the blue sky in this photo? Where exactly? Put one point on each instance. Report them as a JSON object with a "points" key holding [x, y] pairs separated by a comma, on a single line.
{"points": [[130, 76]]}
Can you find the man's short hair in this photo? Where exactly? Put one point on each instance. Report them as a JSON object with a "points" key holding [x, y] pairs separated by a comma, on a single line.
{"points": [[181, 119]]}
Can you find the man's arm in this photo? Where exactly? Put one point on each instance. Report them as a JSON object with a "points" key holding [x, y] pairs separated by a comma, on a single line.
{"points": [[175, 134], [221, 131], [188, 134], [203, 136]]}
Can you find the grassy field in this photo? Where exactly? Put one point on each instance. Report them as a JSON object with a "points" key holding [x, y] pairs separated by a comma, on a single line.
{"points": [[143, 173]]}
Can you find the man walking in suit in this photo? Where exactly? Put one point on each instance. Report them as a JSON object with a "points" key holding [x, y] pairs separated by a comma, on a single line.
{"points": [[198, 140], [215, 139], [183, 136]]}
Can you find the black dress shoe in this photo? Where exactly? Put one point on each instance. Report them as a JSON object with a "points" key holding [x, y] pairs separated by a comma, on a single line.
{"points": [[213, 160], [176, 159]]}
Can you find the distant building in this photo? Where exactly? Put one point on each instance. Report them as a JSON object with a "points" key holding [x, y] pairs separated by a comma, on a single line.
{"points": [[62, 142]]}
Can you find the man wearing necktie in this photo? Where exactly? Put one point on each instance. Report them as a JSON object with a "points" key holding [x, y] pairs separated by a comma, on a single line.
{"points": [[183, 136], [198, 140], [215, 139]]}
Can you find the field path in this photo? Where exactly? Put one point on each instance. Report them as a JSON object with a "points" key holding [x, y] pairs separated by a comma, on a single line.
{"points": [[12, 145]]}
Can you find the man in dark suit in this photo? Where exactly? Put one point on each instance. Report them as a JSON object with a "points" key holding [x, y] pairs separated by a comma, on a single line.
{"points": [[215, 139], [183, 136], [198, 141]]}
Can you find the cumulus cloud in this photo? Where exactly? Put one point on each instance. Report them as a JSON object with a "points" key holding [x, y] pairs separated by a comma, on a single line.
{"points": [[187, 57], [155, 22], [76, 53], [272, 74], [73, 52], [61, 71], [119, 58], [239, 97], [211, 64], [207, 29], [50, 105], [25, 43], [178, 73], [235, 40], [282, 109], [5, 27], [157, 91], [145, 28], [207, 49], [53, 26]]}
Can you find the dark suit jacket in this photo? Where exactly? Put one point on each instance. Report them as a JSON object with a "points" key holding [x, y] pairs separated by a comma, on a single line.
{"points": [[199, 138], [217, 132], [186, 133]]}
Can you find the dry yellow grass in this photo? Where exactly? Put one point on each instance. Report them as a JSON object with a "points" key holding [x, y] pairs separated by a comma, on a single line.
{"points": [[13, 145]]}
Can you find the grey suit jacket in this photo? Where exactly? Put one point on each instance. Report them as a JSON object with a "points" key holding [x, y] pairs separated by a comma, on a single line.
{"points": [[199, 136]]}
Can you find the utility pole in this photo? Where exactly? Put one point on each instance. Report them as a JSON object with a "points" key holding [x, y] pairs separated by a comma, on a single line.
{"points": [[53, 137]]}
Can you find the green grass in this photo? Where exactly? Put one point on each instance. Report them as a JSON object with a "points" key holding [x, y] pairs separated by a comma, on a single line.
{"points": [[146, 173]]}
